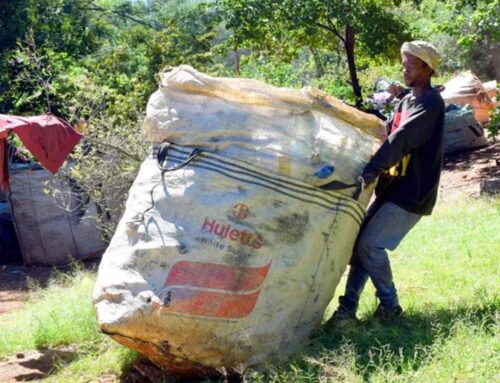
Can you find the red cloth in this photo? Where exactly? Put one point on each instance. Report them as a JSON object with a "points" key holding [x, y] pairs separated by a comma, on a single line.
{"points": [[49, 138], [4, 165]]}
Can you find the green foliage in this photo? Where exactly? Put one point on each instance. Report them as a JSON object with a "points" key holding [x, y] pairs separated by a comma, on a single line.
{"points": [[493, 126], [13, 15], [272, 71], [95, 63], [36, 80], [337, 86], [465, 31], [283, 28]]}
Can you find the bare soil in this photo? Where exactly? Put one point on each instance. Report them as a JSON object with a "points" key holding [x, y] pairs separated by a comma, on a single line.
{"points": [[33, 365], [473, 173]]}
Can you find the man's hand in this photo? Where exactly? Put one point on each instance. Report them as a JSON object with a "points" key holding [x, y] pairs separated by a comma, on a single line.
{"points": [[369, 176]]}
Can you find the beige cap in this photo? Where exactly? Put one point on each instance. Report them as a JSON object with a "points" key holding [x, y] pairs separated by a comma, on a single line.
{"points": [[425, 51]]}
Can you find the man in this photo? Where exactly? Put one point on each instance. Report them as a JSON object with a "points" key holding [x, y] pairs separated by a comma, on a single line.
{"points": [[409, 165]]}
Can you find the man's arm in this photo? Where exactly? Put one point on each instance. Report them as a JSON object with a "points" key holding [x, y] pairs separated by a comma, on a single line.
{"points": [[415, 131]]}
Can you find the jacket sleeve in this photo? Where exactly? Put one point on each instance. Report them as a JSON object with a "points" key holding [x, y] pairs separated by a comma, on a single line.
{"points": [[415, 130]]}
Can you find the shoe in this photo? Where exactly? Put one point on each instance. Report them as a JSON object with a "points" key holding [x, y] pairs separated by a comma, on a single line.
{"points": [[385, 313], [341, 315]]}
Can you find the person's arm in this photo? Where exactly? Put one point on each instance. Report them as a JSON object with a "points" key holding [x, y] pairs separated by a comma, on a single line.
{"points": [[415, 130]]}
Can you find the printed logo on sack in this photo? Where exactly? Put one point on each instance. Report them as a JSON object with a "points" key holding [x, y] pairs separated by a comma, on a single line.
{"points": [[226, 230], [240, 211], [212, 290]]}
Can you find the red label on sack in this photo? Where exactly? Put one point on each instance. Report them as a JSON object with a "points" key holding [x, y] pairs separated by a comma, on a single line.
{"points": [[193, 284]]}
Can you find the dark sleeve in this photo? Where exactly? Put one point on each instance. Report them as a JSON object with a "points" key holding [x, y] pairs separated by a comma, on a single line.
{"points": [[415, 131]]}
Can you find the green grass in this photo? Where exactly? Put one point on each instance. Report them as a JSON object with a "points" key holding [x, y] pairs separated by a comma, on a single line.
{"points": [[446, 271], [61, 319]]}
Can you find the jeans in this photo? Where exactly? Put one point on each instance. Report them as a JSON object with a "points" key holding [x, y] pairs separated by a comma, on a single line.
{"points": [[384, 227]]}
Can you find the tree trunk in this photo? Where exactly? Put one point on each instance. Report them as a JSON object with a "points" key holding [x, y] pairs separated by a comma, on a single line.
{"points": [[320, 71], [237, 63], [349, 43]]}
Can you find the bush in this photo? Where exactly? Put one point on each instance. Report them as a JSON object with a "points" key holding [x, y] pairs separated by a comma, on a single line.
{"points": [[493, 126]]}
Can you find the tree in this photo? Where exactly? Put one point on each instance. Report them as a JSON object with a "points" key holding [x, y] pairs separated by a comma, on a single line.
{"points": [[13, 22], [465, 31], [283, 27], [475, 23], [95, 63]]}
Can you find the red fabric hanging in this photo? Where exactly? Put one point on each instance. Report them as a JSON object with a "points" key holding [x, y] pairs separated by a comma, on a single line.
{"points": [[4, 165], [49, 138]]}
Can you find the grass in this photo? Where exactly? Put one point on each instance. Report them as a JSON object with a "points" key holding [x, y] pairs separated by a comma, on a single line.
{"points": [[446, 271], [60, 320]]}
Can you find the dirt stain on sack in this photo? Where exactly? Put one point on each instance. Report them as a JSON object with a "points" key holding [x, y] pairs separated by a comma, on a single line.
{"points": [[289, 228], [277, 203], [167, 299]]}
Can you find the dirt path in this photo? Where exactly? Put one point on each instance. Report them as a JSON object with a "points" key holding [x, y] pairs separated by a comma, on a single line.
{"points": [[472, 173], [32, 365]]}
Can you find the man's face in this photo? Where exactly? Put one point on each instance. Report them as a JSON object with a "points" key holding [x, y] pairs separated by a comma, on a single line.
{"points": [[415, 71]]}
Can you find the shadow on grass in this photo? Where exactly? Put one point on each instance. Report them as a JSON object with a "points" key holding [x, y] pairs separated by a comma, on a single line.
{"points": [[34, 365], [408, 337]]}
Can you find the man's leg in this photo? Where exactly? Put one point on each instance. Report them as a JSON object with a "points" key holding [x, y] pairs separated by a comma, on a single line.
{"points": [[385, 226], [356, 281], [357, 277], [385, 230]]}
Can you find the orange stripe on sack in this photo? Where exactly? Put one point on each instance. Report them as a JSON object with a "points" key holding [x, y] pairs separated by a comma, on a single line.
{"points": [[210, 304], [215, 276]]}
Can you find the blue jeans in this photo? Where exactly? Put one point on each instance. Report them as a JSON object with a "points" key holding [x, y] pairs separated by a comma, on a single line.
{"points": [[384, 227]]}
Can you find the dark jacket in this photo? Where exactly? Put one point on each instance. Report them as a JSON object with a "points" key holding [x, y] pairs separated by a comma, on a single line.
{"points": [[409, 161]]}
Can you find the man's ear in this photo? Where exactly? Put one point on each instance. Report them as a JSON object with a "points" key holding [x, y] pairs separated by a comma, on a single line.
{"points": [[428, 69]]}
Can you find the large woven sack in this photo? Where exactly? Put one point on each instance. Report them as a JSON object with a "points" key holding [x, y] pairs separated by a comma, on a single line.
{"points": [[222, 259], [467, 89]]}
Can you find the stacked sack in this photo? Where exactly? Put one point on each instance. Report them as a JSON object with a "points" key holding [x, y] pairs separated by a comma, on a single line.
{"points": [[467, 89], [461, 130]]}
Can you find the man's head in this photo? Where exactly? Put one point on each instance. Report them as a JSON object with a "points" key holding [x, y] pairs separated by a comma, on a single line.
{"points": [[420, 60]]}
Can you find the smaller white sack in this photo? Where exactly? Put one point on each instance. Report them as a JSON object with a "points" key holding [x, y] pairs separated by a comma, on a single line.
{"points": [[467, 89]]}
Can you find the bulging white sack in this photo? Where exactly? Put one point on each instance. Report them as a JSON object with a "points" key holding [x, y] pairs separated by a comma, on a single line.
{"points": [[222, 259], [294, 133]]}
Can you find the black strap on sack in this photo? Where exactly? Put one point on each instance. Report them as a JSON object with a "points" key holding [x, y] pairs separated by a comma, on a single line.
{"points": [[162, 154], [339, 185], [161, 157]]}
